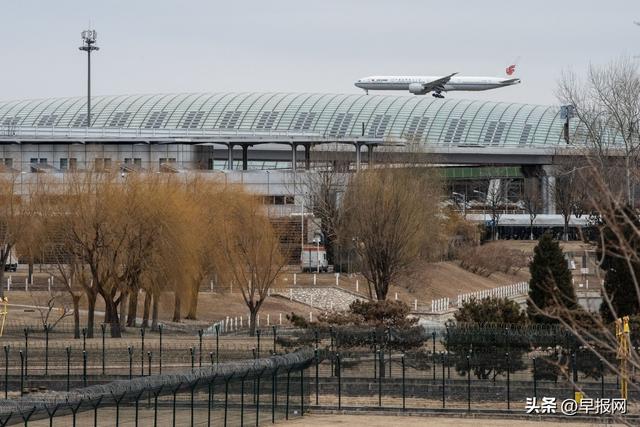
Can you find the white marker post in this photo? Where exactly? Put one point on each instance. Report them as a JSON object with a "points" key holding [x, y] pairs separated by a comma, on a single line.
{"points": [[357, 285], [281, 318], [314, 279], [294, 279]]}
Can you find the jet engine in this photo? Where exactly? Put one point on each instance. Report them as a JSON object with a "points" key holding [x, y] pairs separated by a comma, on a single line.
{"points": [[417, 89]]}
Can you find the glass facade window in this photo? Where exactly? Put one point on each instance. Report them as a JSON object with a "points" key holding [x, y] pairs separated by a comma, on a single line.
{"points": [[420, 119]]}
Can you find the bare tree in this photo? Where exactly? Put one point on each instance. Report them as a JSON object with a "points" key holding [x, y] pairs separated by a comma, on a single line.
{"points": [[250, 249], [532, 201], [323, 188], [394, 215], [49, 304], [607, 107]]}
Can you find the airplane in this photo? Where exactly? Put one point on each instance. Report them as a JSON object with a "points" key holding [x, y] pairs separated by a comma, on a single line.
{"points": [[421, 85]]}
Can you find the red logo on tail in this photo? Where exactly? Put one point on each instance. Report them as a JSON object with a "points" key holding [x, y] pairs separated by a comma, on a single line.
{"points": [[510, 69]]}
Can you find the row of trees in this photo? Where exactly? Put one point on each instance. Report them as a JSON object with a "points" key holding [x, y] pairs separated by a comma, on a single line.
{"points": [[119, 237]]}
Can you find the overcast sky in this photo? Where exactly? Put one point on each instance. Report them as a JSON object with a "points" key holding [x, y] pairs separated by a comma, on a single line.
{"points": [[159, 46]]}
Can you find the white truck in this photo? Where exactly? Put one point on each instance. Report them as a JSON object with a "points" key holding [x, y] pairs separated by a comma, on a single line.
{"points": [[11, 264], [314, 259]]}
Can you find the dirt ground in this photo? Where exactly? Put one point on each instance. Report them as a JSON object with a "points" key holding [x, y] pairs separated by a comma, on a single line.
{"points": [[419, 421]]}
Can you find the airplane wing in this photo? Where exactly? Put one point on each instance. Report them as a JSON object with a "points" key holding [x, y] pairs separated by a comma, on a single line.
{"points": [[438, 83]]}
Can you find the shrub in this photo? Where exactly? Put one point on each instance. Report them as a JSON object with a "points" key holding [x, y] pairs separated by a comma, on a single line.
{"points": [[492, 258]]}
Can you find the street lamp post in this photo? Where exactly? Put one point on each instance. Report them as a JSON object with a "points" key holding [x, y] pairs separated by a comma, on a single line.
{"points": [[88, 45]]}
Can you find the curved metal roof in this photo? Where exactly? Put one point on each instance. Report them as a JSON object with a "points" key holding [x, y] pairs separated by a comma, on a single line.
{"points": [[333, 116]]}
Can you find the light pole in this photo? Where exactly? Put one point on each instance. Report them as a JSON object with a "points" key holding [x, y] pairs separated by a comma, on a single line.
{"points": [[88, 44]]}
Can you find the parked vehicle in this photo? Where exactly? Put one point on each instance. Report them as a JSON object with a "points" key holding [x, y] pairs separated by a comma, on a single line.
{"points": [[314, 259]]}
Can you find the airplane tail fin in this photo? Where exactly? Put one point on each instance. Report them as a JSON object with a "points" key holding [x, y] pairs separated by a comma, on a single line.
{"points": [[511, 69]]}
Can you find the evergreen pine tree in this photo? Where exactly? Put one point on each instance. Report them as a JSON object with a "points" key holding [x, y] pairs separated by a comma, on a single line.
{"points": [[550, 287], [619, 282]]}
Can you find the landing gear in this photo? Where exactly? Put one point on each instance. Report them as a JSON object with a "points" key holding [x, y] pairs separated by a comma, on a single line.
{"points": [[437, 95]]}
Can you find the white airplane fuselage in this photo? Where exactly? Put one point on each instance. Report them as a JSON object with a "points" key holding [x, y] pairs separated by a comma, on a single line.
{"points": [[469, 83]]}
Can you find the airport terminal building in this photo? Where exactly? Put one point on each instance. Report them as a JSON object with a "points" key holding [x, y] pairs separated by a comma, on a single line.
{"points": [[267, 140], [267, 130]]}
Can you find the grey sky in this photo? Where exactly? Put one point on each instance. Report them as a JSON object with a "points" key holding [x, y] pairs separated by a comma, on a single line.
{"points": [[156, 46]]}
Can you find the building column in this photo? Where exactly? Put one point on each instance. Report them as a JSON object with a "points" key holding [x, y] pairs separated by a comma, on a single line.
{"points": [[245, 157], [230, 157], [294, 158], [370, 156], [307, 156]]}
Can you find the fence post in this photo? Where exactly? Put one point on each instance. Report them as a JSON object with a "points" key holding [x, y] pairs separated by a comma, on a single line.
{"points": [[217, 327], [274, 394], [6, 371], [142, 352], [374, 353], [160, 350], [443, 381], [192, 389], [84, 339], [274, 338], [130, 351], [302, 392], [226, 397], [26, 352], [46, 349], [104, 328], [200, 333], [286, 406], [84, 368], [210, 387], [339, 381], [380, 355], [508, 382], [242, 399], [403, 385], [331, 349], [175, 391], [192, 353], [433, 335], [535, 380], [155, 405], [21, 372], [149, 354], [257, 394], [258, 333], [317, 360], [468, 383], [68, 365]]}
